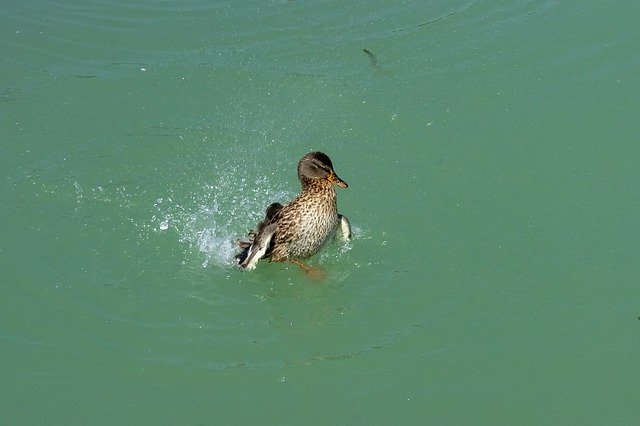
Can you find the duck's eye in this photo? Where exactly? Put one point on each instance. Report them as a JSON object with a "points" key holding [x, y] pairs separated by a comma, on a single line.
{"points": [[319, 168]]}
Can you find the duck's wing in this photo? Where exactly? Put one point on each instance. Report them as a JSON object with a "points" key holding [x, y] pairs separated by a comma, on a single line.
{"points": [[345, 227], [258, 248], [272, 212], [260, 241]]}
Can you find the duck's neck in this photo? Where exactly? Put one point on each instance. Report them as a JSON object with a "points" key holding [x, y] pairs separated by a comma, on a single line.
{"points": [[320, 187]]}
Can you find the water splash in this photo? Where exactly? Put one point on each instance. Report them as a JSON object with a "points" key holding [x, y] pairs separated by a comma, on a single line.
{"points": [[217, 214]]}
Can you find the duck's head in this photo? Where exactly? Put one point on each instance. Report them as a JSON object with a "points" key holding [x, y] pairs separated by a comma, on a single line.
{"points": [[317, 165]]}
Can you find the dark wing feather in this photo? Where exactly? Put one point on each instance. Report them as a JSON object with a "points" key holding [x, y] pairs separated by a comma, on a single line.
{"points": [[264, 235]]}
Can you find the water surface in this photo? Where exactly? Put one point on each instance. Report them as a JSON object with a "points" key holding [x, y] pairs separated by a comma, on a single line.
{"points": [[491, 150]]}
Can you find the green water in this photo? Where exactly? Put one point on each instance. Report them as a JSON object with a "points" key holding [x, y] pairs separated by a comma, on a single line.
{"points": [[492, 154]]}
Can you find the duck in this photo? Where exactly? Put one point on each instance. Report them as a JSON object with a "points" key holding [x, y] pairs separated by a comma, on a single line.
{"points": [[297, 230]]}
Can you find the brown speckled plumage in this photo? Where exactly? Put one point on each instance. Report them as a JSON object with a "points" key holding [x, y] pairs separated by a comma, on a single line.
{"points": [[302, 227]]}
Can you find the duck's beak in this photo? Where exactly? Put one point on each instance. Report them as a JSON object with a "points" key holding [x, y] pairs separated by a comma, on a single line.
{"points": [[333, 178]]}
